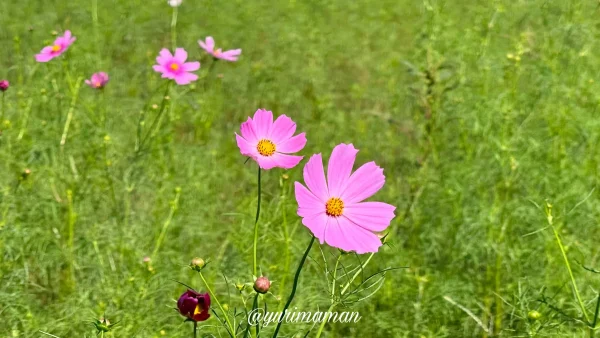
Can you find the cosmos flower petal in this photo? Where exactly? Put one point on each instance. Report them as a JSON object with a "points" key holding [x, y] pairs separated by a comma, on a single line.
{"points": [[339, 168], [185, 78], [248, 131], [363, 183], [292, 145], [265, 162], [306, 199], [210, 43], [283, 128], [263, 119], [286, 161], [180, 55], [317, 224], [245, 147], [191, 66], [359, 239], [373, 216], [314, 177]]}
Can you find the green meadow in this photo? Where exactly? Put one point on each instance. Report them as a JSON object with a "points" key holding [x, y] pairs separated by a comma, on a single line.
{"points": [[484, 115]]}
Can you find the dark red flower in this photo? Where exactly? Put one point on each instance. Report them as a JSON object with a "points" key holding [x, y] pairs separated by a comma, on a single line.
{"points": [[194, 305]]}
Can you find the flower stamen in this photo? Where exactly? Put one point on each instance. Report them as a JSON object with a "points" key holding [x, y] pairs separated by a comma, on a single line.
{"points": [[56, 48], [265, 147], [174, 66], [334, 207]]}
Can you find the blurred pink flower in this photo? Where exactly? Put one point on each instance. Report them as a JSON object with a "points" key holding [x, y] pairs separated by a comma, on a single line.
{"points": [[333, 210], [228, 55], [98, 80], [174, 66], [60, 45], [4, 84], [268, 142]]}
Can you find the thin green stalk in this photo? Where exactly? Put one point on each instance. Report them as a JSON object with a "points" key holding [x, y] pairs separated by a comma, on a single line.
{"points": [[2, 108], [195, 329], [296, 277], [254, 307], [174, 28], [567, 264], [163, 232], [63, 138], [357, 273], [214, 297], [324, 320], [156, 121], [255, 265], [333, 303]]}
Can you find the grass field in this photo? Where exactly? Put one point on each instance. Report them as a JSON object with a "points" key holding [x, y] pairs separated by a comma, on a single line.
{"points": [[482, 113]]}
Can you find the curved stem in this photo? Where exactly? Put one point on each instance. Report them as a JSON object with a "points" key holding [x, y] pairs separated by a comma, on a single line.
{"points": [[174, 29], [255, 266], [296, 277], [325, 320], [357, 273], [567, 264], [213, 296]]}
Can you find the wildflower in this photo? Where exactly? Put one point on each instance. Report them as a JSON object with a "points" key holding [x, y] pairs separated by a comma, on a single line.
{"points": [[175, 3], [174, 66], [333, 210], [4, 84], [262, 284], [60, 45], [228, 55], [268, 142], [98, 80], [194, 305]]}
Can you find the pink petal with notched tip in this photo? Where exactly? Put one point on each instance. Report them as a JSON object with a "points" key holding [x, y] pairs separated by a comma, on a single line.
{"points": [[282, 129], [314, 177], [263, 119], [373, 216], [339, 168], [292, 145], [363, 183]]}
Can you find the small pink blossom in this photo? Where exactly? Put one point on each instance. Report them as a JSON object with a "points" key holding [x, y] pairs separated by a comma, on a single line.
{"points": [[174, 66], [98, 80], [270, 143], [60, 45], [228, 55], [334, 210]]}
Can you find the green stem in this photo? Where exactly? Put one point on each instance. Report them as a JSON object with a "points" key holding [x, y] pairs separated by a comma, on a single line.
{"points": [[2, 108], [195, 329], [296, 277], [255, 265], [174, 28], [356, 274], [325, 320], [63, 138], [163, 232], [213, 296], [567, 264]]}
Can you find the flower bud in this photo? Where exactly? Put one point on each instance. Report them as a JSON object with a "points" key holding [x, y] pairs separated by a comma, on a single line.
{"points": [[262, 284], [194, 305], [240, 286], [4, 84], [534, 315], [197, 264]]}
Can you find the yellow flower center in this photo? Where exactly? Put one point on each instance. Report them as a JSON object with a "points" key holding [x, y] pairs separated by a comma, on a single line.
{"points": [[56, 48], [174, 66], [334, 207], [97, 84], [197, 310], [265, 147]]}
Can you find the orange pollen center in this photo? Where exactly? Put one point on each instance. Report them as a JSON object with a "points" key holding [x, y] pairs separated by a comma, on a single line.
{"points": [[265, 147], [97, 84], [56, 48], [334, 207], [174, 66]]}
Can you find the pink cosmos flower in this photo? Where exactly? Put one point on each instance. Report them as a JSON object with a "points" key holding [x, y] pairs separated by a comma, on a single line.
{"points": [[174, 66], [60, 45], [98, 80], [333, 210], [228, 55], [268, 142]]}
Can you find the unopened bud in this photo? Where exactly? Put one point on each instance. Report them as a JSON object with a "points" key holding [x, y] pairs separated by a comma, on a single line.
{"points": [[4, 84], [534, 315], [262, 284], [197, 264]]}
